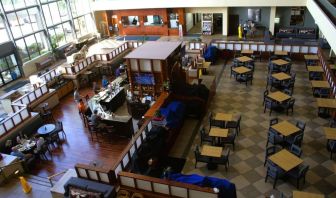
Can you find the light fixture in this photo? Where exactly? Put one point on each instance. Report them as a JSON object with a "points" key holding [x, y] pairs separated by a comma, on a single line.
{"points": [[276, 20]]}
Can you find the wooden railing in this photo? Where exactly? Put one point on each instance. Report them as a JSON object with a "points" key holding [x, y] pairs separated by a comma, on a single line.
{"points": [[195, 45], [95, 173], [30, 97], [14, 120], [50, 75], [262, 47], [328, 72], [164, 187], [134, 44]]}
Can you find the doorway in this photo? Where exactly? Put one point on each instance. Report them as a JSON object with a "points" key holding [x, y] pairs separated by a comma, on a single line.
{"points": [[218, 23], [233, 24]]}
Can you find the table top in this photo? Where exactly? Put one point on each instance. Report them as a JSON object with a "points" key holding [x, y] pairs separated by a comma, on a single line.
{"points": [[244, 59], [285, 160], [285, 128], [326, 103], [45, 129], [330, 133], [7, 159], [205, 65], [311, 57], [218, 132], [223, 116], [315, 69], [211, 151], [241, 70], [26, 145], [279, 96], [301, 194], [281, 76], [247, 51], [281, 53], [320, 84], [280, 62]]}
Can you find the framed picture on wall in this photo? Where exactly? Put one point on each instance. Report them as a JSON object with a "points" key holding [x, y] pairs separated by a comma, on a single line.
{"points": [[297, 16], [254, 14]]}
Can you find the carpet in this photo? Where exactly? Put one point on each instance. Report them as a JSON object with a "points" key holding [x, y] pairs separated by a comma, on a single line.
{"points": [[139, 38], [16, 85], [176, 164]]}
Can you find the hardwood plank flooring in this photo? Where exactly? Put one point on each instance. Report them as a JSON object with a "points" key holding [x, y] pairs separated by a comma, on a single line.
{"points": [[78, 147]]}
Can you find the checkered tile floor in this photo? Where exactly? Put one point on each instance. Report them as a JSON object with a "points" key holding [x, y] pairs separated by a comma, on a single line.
{"points": [[246, 168]]}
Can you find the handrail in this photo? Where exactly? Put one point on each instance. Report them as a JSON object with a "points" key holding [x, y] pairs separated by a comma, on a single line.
{"points": [[55, 175], [46, 77], [14, 120], [330, 12]]}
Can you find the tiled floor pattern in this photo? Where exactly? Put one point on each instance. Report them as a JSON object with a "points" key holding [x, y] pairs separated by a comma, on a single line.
{"points": [[246, 161]]}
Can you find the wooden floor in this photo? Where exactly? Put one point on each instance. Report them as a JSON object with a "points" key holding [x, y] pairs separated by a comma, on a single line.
{"points": [[78, 147]]}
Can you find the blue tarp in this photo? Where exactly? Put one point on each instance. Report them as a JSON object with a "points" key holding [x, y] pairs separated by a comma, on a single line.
{"points": [[174, 113]]}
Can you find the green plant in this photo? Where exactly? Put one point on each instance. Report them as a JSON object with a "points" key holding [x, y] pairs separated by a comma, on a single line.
{"points": [[55, 40]]}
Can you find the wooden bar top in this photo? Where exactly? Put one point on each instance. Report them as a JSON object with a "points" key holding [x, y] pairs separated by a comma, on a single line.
{"points": [[311, 57], [280, 62], [285, 160], [247, 51], [326, 103], [278, 96], [281, 53], [285, 128], [241, 70], [218, 132], [301, 194], [320, 84], [315, 69], [330, 133], [281, 76], [244, 59], [211, 151], [158, 103], [223, 116]]}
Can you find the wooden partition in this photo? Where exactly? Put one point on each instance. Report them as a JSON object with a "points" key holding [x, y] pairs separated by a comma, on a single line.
{"points": [[94, 173], [14, 120], [134, 44], [262, 47], [163, 186], [50, 75], [328, 72], [30, 97]]}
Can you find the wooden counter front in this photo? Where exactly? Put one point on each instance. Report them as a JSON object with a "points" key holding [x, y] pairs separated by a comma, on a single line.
{"points": [[158, 103]]}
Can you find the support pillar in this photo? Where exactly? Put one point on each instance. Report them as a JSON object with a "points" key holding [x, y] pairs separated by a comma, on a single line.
{"points": [[225, 20], [271, 21]]}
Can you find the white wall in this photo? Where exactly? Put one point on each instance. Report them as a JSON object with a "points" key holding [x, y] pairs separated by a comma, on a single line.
{"points": [[29, 67], [189, 21]]}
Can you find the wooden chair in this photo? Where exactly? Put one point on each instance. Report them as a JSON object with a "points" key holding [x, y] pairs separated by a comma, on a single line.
{"points": [[199, 157], [298, 174], [273, 172], [224, 159], [235, 124], [93, 130]]}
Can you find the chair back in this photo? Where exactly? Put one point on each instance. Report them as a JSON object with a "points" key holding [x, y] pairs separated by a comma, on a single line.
{"points": [[296, 150], [226, 153], [301, 125], [274, 121], [265, 93], [272, 171], [332, 145], [291, 102], [303, 170]]}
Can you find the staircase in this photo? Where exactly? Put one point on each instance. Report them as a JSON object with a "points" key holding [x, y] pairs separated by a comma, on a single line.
{"points": [[38, 180]]}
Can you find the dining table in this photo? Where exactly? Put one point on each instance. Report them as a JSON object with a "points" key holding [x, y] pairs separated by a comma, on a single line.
{"points": [[212, 152], [26, 146], [46, 129], [285, 160]]}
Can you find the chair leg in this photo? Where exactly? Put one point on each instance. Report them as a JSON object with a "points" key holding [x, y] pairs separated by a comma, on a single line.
{"points": [[266, 178], [274, 183]]}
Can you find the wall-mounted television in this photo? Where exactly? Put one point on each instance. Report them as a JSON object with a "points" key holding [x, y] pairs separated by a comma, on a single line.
{"points": [[144, 79], [254, 14]]}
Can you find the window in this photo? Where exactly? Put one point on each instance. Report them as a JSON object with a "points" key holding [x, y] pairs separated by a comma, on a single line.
{"points": [[173, 20], [153, 20], [4, 36], [79, 7], [130, 20], [9, 70]]}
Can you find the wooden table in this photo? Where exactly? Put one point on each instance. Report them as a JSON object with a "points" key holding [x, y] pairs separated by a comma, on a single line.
{"points": [[285, 160], [315, 69], [280, 62], [204, 66], [46, 129], [223, 117], [320, 84], [218, 132], [330, 133], [281, 76], [11, 165], [212, 151], [281, 53], [285, 128], [278, 96], [244, 59], [326, 103], [241, 70], [301, 194], [311, 57], [247, 52]]}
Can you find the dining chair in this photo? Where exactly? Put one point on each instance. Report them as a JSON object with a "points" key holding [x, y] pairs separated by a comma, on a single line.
{"points": [[289, 105], [298, 173], [269, 104], [273, 172], [274, 138], [322, 93], [199, 157], [296, 150], [270, 151], [93, 130], [274, 121], [301, 125], [234, 125], [331, 147], [204, 136], [247, 77], [43, 150], [59, 129], [265, 95], [296, 139], [230, 139], [224, 159], [233, 73]]}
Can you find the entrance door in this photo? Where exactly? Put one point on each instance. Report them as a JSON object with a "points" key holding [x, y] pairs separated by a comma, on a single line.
{"points": [[233, 24]]}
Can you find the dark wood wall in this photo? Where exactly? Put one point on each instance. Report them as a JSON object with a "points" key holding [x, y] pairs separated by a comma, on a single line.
{"points": [[142, 13]]}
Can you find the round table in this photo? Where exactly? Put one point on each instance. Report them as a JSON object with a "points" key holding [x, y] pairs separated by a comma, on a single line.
{"points": [[46, 129]]}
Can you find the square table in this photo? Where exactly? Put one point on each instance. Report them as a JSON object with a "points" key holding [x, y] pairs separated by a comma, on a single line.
{"points": [[285, 160], [247, 52], [280, 62], [218, 132], [320, 84], [315, 69], [281, 76], [311, 57], [285, 128], [330, 133], [329, 103], [278, 96], [244, 59], [241, 70], [223, 117], [211, 151], [281, 53], [301, 194]]}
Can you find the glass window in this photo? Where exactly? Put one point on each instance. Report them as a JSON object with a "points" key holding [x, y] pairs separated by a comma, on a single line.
{"points": [[47, 15], [153, 20], [56, 18], [23, 18], [32, 46], [14, 24], [42, 42], [79, 7], [4, 36], [68, 32], [130, 20], [35, 19], [63, 10], [173, 20], [8, 5], [22, 49], [9, 69]]}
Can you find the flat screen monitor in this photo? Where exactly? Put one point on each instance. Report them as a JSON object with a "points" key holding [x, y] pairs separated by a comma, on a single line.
{"points": [[144, 79]]}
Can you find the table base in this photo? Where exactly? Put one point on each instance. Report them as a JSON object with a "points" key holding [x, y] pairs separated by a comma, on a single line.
{"points": [[212, 166]]}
